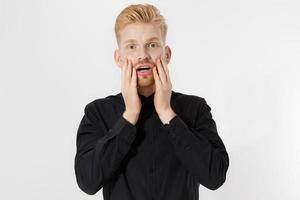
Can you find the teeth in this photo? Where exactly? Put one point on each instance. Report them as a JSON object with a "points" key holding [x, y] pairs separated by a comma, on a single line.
{"points": [[145, 66]]}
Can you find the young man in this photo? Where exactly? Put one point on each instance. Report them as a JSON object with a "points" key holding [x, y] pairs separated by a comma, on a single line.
{"points": [[148, 141]]}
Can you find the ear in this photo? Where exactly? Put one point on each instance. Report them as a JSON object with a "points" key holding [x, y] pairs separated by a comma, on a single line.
{"points": [[117, 58], [168, 54]]}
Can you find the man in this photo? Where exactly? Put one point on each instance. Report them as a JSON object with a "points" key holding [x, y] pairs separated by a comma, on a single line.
{"points": [[147, 142]]}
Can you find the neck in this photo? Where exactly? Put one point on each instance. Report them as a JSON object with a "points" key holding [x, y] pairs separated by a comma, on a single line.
{"points": [[146, 91]]}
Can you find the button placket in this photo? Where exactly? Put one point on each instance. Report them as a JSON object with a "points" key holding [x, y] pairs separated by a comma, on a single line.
{"points": [[152, 184]]}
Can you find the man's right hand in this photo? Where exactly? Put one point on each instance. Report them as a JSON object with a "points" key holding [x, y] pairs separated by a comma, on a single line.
{"points": [[130, 93]]}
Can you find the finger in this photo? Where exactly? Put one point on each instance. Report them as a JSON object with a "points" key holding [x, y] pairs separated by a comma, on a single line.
{"points": [[156, 77], [130, 67], [166, 68], [161, 72], [128, 71], [123, 70], [134, 77]]}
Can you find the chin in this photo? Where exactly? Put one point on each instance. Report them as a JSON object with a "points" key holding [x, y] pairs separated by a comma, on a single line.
{"points": [[145, 82]]}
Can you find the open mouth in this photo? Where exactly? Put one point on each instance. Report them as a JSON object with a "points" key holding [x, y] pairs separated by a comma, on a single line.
{"points": [[143, 69]]}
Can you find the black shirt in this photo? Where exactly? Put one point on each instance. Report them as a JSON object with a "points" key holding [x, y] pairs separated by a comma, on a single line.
{"points": [[149, 160]]}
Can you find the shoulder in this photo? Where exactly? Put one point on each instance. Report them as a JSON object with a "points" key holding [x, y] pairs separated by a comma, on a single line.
{"points": [[189, 99], [190, 107], [104, 103]]}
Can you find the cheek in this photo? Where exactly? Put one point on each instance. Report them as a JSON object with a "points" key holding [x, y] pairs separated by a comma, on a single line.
{"points": [[126, 55], [127, 52], [157, 54]]}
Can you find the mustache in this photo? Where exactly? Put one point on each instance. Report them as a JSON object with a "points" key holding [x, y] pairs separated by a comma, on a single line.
{"points": [[144, 63]]}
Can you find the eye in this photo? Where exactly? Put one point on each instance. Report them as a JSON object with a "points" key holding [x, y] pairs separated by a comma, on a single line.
{"points": [[152, 45], [131, 46]]}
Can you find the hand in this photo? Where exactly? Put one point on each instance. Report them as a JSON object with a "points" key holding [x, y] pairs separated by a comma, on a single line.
{"points": [[163, 91], [129, 92]]}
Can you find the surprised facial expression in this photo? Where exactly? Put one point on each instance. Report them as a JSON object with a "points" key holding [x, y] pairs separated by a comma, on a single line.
{"points": [[142, 44]]}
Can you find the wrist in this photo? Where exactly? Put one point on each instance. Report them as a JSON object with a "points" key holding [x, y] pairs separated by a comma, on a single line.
{"points": [[131, 117], [166, 116]]}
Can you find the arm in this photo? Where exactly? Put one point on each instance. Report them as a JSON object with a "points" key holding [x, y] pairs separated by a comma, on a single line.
{"points": [[100, 151], [199, 148]]}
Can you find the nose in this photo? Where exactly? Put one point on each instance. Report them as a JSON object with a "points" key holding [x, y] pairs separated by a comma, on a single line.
{"points": [[143, 55]]}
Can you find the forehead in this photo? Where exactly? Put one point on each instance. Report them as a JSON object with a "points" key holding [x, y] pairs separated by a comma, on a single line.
{"points": [[140, 32]]}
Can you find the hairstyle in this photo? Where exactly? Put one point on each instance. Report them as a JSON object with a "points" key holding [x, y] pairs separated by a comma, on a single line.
{"points": [[140, 13]]}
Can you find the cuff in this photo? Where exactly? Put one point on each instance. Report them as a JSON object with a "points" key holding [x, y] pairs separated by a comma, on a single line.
{"points": [[124, 129], [176, 128]]}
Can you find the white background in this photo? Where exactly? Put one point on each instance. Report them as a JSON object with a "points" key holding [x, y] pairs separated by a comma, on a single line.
{"points": [[243, 57]]}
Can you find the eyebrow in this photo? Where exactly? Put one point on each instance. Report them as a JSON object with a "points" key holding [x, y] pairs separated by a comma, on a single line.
{"points": [[150, 39]]}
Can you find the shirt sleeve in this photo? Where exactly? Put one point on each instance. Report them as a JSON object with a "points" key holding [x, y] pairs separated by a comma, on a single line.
{"points": [[100, 151], [199, 148]]}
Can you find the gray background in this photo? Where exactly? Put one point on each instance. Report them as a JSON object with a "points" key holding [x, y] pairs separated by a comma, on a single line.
{"points": [[241, 56]]}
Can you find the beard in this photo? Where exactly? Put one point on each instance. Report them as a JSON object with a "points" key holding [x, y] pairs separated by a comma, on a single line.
{"points": [[145, 81]]}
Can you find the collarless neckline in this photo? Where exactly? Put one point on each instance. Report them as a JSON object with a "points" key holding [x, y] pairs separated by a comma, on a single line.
{"points": [[144, 98]]}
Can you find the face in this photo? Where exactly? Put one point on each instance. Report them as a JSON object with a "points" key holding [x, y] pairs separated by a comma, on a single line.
{"points": [[142, 44]]}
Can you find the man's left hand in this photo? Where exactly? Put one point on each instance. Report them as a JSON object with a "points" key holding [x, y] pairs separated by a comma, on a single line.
{"points": [[163, 91]]}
